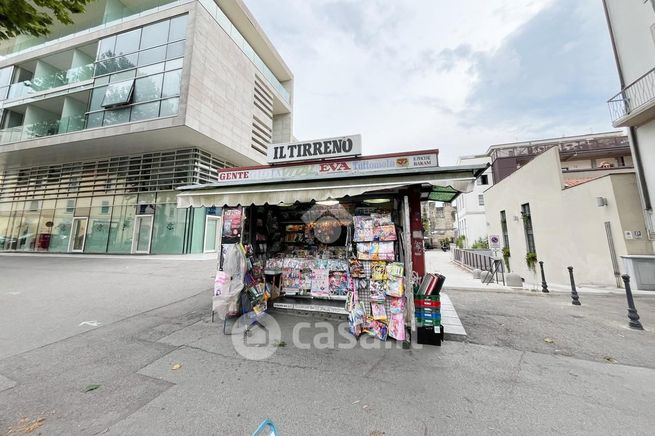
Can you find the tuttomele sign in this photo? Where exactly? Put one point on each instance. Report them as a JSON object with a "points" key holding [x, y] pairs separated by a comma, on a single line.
{"points": [[329, 148]]}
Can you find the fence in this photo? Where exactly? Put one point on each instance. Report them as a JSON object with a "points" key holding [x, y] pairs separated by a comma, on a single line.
{"points": [[482, 260]]}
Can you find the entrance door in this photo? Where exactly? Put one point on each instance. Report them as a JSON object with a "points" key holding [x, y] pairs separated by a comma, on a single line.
{"points": [[213, 230], [78, 235], [142, 234]]}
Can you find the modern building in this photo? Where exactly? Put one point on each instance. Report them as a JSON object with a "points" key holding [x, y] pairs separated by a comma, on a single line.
{"points": [[103, 119], [438, 222], [632, 31], [589, 222], [471, 222]]}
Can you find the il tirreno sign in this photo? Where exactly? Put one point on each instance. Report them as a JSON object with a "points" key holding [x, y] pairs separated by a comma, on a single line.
{"points": [[390, 164], [329, 148]]}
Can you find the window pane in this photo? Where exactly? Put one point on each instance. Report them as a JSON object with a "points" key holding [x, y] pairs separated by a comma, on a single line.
{"points": [[118, 93], [116, 64], [5, 75], [175, 50], [178, 28], [172, 83], [128, 42], [101, 81], [97, 95], [145, 111], [169, 107], [154, 34], [123, 75], [106, 48], [150, 69], [117, 116], [94, 120], [152, 56], [174, 64], [148, 88]]}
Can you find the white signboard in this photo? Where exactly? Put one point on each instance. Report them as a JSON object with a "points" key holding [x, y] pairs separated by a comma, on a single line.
{"points": [[494, 241], [328, 148], [327, 169]]}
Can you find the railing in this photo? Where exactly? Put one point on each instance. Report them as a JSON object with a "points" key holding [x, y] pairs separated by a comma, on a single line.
{"points": [[43, 128], [634, 96], [61, 78], [23, 44], [481, 260]]}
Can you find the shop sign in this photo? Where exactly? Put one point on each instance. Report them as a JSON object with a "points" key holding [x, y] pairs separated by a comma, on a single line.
{"points": [[317, 149], [319, 170]]}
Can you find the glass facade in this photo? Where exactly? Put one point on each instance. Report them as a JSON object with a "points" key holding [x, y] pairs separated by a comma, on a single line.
{"points": [[122, 205], [138, 74]]}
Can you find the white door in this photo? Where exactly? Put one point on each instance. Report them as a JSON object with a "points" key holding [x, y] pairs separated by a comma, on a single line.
{"points": [[78, 235], [142, 234], [213, 229]]}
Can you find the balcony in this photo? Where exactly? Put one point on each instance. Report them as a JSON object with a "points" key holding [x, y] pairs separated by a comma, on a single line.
{"points": [[61, 78], [634, 105], [43, 128]]}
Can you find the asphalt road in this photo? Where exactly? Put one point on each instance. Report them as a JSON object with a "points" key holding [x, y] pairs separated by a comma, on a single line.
{"points": [[159, 366]]}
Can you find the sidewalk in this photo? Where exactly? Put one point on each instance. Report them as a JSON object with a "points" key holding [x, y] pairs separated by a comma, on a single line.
{"points": [[459, 278], [456, 276]]}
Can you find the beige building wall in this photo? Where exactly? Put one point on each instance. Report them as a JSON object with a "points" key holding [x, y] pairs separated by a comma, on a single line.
{"points": [[569, 226], [633, 32]]}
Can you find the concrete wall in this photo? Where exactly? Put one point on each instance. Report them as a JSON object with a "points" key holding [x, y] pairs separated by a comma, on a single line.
{"points": [[646, 138], [569, 227], [221, 88], [631, 22]]}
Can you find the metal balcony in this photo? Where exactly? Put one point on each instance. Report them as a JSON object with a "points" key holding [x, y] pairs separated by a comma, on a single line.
{"points": [[635, 104]]}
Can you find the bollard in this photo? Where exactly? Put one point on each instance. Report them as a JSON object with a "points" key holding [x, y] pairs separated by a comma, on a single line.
{"points": [[575, 299], [544, 285], [632, 310]]}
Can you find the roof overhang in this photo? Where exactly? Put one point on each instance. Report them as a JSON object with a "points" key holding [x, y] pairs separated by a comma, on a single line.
{"points": [[306, 182]]}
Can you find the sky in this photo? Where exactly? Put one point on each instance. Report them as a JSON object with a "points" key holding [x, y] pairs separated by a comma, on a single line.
{"points": [[457, 75]]}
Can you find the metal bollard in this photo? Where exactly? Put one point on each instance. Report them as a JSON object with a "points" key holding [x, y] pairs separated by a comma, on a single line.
{"points": [[632, 310], [575, 299], [544, 285]]}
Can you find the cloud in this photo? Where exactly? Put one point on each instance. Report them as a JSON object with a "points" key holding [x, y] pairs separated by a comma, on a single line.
{"points": [[458, 76]]}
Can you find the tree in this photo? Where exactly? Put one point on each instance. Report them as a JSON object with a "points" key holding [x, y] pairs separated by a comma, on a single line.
{"points": [[34, 17]]}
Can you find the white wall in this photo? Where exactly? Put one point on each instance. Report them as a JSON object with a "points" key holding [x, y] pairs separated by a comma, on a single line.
{"points": [[568, 225], [471, 220], [631, 22]]}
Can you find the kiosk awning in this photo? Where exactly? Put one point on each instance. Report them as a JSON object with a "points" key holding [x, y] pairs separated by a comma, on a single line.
{"points": [[437, 188]]}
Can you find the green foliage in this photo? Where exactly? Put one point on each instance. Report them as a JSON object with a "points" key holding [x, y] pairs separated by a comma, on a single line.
{"points": [[34, 17], [531, 261], [481, 244], [506, 255], [459, 242]]}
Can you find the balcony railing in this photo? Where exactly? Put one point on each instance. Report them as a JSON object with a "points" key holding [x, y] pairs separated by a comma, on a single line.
{"points": [[633, 97], [44, 128], [61, 78]]}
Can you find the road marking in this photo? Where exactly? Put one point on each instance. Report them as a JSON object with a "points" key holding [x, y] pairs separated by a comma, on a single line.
{"points": [[13, 293], [91, 323]]}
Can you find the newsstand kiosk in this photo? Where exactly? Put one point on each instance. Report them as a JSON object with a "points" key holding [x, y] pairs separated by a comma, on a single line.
{"points": [[324, 229]]}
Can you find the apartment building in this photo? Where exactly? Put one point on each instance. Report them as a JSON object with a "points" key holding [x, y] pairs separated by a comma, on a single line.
{"points": [[103, 119], [471, 222], [631, 26], [438, 222]]}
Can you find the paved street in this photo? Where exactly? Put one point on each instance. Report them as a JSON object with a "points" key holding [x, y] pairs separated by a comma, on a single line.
{"points": [[153, 315]]}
